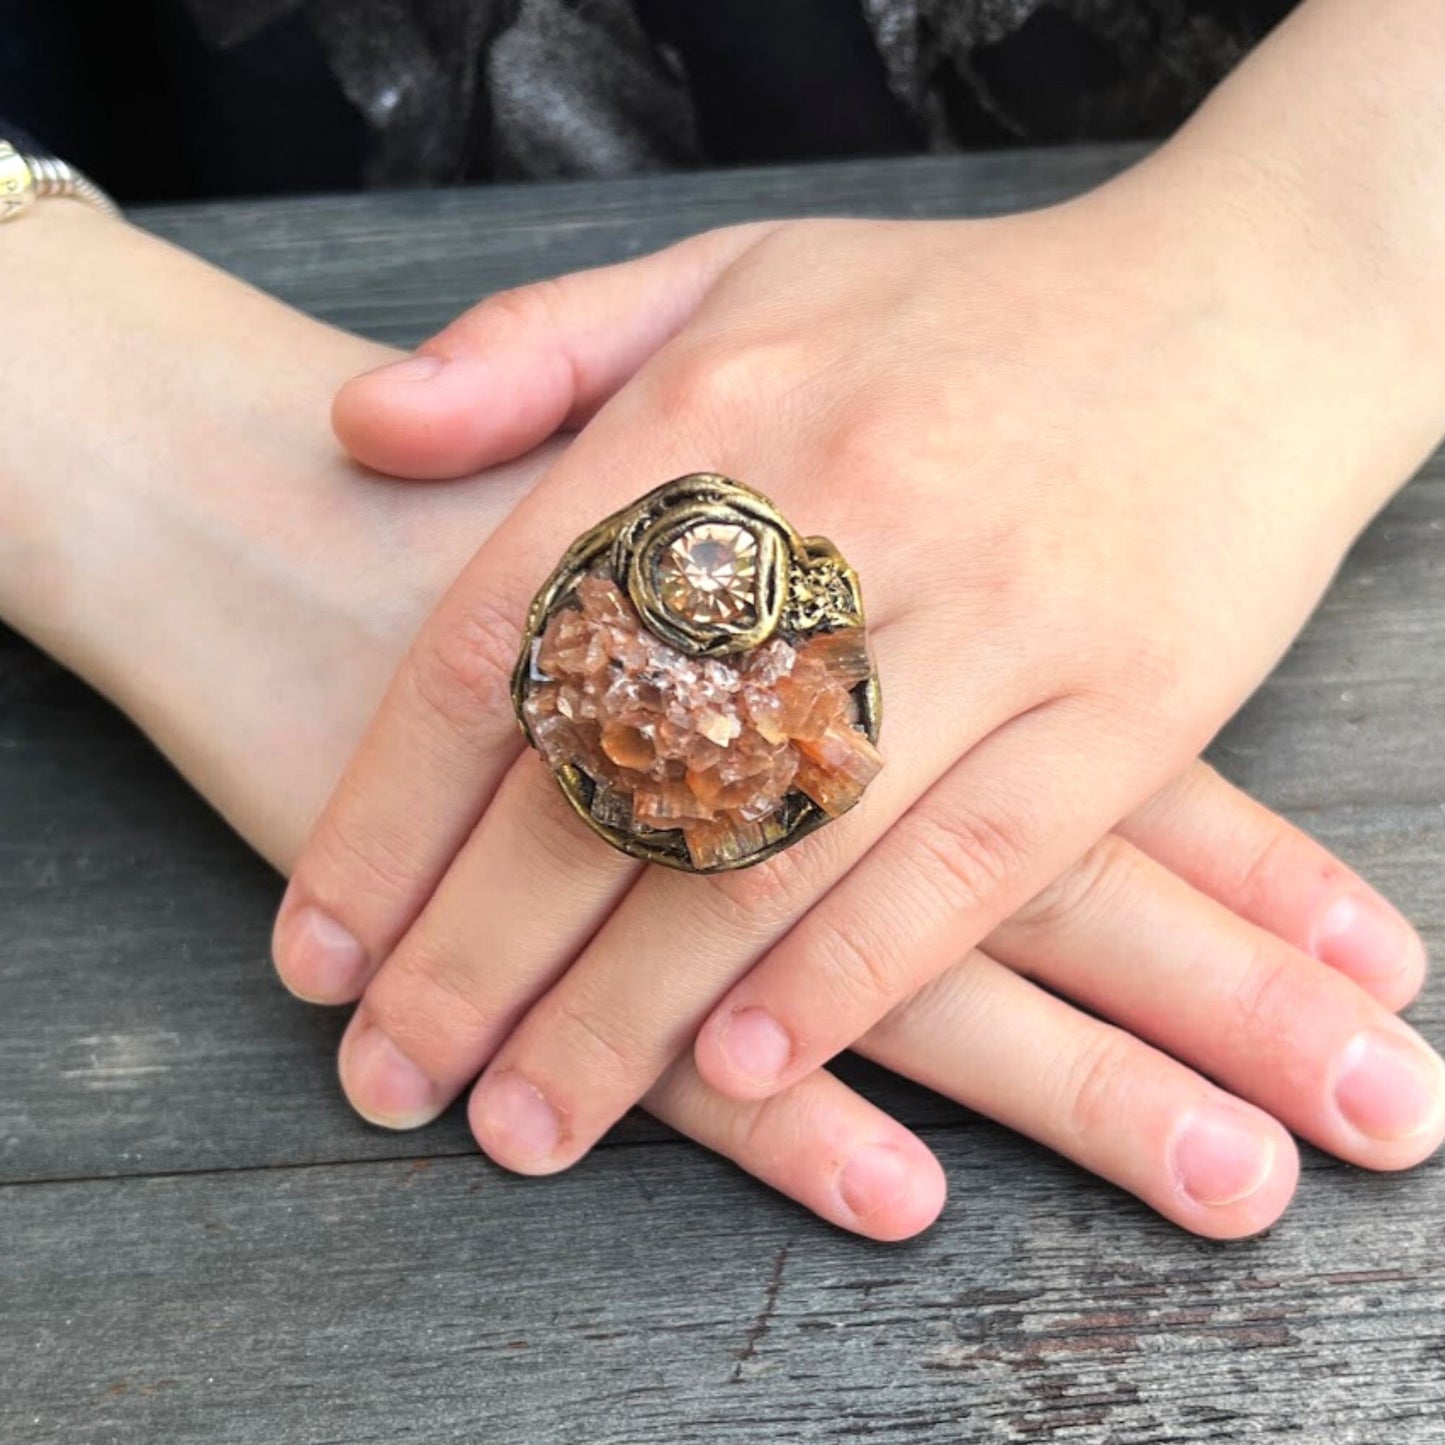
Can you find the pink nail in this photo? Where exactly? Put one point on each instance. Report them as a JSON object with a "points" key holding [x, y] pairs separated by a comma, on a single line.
{"points": [[1220, 1155], [1362, 937], [384, 1086], [516, 1120], [874, 1178], [1389, 1087], [421, 367], [320, 960], [756, 1045]]}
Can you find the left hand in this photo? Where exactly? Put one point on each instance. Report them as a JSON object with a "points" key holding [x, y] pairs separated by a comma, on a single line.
{"points": [[1092, 487]]}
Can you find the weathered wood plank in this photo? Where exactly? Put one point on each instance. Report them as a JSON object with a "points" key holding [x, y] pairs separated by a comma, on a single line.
{"points": [[390, 1302], [655, 1295], [143, 1030], [400, 266]]}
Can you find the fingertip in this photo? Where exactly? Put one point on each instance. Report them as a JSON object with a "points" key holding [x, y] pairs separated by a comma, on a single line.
{"points": [[517, 1127], [891, 1190], [316, 958], [408, 420], [1388, 1090], [743, 1052], [430, 418], [1221, 1190], [380, 1082], [1362, 936]]}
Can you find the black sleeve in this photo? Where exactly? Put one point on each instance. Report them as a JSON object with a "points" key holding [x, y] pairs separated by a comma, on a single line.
{"points": [[22, 140], [59, 68]]}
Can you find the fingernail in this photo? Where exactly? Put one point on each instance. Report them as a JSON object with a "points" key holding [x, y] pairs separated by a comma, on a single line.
{"points": [[421, 367], [1220, 1155], [516, 1120], [875, 1177], [1389, 1087], [384, 1086], [756, 1045], [1363, 937], [320, 961]]}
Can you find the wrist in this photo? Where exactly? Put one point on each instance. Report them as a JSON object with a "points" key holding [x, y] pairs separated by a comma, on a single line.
{"points": [[138, 383], [1310, 217], [1300, 336]]}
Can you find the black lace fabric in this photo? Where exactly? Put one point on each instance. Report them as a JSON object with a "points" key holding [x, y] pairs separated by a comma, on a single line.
{"points": [[1060, 70], [518, 88], [546, 87]]}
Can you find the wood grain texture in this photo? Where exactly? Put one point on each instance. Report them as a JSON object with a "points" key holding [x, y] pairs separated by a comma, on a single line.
{"points": [[199, 1243], [401, 266], [653, 1298]]}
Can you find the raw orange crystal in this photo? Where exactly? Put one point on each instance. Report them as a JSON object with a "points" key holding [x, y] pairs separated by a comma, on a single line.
{"points": [[710, 746]]}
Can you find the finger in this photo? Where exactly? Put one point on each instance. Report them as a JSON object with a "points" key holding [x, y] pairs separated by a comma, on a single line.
{"points": [[445, 734], [436, 999], [423, 774], [1014, 812], [520, 902], [1262, 1018], [524, 363], [528, 890], [1225, 844], [596, 1041], [1093, 1093], [820, 1144]]}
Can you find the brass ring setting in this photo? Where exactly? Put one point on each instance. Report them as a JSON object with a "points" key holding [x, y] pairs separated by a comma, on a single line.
{"points": [[697, 676]]}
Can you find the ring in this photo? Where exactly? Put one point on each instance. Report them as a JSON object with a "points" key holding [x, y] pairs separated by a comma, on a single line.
{"points": [[698, 678]]}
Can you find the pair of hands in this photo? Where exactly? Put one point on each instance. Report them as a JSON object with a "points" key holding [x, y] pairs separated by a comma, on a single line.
{"points": [[1092, 486]]}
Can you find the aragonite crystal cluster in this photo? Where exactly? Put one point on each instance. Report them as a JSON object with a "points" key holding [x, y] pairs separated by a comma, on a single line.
{"points": [[708, 745]]}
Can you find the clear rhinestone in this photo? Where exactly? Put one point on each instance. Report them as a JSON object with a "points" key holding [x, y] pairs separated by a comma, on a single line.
{"points": [[709, 573]]}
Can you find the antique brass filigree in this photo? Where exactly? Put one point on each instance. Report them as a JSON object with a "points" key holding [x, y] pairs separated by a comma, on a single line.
{"points": [[714, 572]]}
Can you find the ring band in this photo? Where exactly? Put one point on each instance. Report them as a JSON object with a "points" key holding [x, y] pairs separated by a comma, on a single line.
{"points": [[697, 676]]}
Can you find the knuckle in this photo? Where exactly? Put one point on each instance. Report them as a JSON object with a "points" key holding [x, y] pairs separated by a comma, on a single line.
{"points": [[769, 894], [347, 859], [461, 667], [1166, 686], [859, 972], [432, 980], [1279, 860], [1091, 887], [753, 1134], [1267, 1000], [972, 858], [1097, 1086], [869, 444], [590, 1038], [1145, 678], [949, 1005], [521, 310], [720, 380], [422, 1002]]}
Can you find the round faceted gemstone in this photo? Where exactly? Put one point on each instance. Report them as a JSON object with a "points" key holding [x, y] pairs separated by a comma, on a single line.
{"points": [[709, 573]]}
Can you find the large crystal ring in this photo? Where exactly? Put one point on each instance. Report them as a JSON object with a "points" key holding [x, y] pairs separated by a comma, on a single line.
{"points": [[697, 676]]}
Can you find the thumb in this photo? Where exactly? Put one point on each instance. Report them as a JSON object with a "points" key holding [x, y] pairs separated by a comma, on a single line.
{"points": [[522, 364]]}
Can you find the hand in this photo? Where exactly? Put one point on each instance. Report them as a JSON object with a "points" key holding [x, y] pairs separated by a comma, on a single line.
{"points": [[1139, 455], [268, 590]]}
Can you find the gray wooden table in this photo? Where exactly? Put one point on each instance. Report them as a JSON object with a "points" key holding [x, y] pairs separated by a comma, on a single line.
{"points": [[198, 1243]]}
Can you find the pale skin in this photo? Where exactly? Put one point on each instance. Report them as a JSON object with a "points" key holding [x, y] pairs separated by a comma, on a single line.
{"points": [[263, 591], [1095, 465]]}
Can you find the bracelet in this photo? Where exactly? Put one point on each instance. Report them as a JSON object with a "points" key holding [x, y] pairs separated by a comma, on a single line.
{"points": [[25, 179]]}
